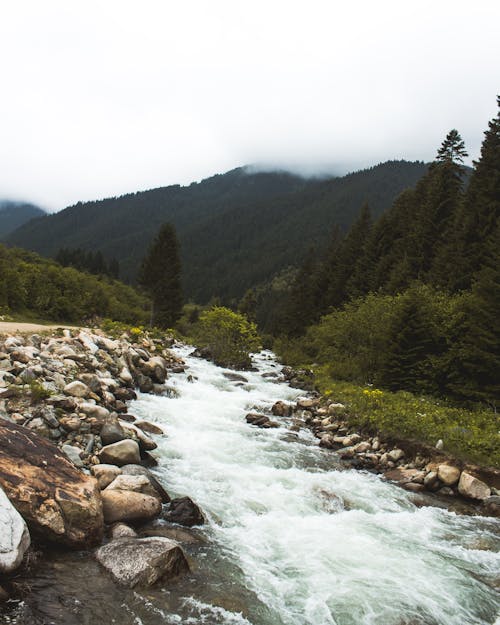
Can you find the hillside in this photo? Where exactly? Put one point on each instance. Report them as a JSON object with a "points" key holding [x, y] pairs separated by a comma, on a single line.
{"points": [[14, 214], [36, 288], [235, 229]]}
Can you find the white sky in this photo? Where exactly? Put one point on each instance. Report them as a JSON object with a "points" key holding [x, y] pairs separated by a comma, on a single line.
{"points": [[102, 97]]}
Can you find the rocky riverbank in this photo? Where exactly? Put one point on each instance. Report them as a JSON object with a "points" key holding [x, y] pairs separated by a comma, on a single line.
{"points": [[74, 463], [416, 467]]}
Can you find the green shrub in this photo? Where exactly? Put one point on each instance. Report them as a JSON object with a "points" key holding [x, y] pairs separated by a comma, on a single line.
{"points": [[228, 335]]}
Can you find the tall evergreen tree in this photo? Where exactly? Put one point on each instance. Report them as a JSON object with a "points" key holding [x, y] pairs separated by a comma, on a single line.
{"points": [[302, 306], [481, 208], [474, 358], [160, 275], [406, 362]]}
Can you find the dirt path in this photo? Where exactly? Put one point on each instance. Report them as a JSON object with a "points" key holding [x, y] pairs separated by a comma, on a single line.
{"points": [[11, 327]]}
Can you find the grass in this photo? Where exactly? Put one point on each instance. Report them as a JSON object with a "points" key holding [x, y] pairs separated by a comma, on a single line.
{"points": [[471, 435]]}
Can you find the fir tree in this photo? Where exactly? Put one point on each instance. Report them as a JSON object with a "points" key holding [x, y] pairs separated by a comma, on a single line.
{"points": [[160, 276], [481, 207], [406, 363], [474, 359]]}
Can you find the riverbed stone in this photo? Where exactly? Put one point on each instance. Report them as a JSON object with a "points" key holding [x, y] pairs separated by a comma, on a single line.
{"points": [[448, 474], [184, 511], [151, 428], [121, 453], [137, 469], [105, 474], [77, 389], [14, 536], [122, 530], [112, 432], [136, 483], [142, 561], [281, 409], [73, 454], [470, 486], [126, 505], [396, 454]]}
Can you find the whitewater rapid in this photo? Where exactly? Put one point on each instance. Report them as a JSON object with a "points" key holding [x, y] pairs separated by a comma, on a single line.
{"points": [[293, 539]]}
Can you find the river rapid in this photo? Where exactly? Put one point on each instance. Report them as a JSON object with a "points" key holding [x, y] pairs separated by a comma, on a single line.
{"points": [[292, 537]]}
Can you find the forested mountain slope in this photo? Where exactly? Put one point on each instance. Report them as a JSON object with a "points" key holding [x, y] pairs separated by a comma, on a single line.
{"points": [[235, 229], [14, 214]]}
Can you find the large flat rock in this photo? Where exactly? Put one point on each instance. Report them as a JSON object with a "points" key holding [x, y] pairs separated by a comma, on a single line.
{"points": [[142, 561], [58, 502]]}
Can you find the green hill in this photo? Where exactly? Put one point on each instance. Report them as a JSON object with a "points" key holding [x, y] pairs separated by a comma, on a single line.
{"points": [[235, 229], [14, 214]]}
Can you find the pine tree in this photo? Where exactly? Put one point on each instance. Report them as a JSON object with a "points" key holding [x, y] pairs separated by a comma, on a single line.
{"points": [[474, 359], [452, 149], [350, 256], [481, 208], [406, 363], [302, 307], [160, 276]]}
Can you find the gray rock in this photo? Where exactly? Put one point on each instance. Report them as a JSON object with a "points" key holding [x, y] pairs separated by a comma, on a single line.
{"points": [[396, 454], [470, 486], [137, 469], [122, 530], [142, 561], [14, 536], [73, 454], [112, 432], [77, 389], [120, 453]]}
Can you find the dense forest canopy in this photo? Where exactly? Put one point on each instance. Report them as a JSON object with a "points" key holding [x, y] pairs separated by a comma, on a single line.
{"points": [[409, 300], [14, 214], [235, 230]]}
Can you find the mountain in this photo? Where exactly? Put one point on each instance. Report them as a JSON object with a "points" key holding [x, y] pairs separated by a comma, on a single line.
{"points": [[14, 214], [235, 229]]}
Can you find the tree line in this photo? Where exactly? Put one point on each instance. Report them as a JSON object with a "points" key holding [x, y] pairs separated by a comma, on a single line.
{"points": [[410, 300]]}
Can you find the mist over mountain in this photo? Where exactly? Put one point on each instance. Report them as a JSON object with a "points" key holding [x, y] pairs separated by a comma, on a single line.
{"points": [[235, 229], [15, 213]]}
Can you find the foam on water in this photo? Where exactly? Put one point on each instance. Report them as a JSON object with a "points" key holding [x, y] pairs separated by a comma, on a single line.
{"points": [[315, 544]]}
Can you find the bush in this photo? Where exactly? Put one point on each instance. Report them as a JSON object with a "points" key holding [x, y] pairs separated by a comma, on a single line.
{"points": [[228, 335]]}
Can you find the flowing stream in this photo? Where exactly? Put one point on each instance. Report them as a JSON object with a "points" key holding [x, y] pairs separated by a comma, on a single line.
{"points": [[292, 537]]}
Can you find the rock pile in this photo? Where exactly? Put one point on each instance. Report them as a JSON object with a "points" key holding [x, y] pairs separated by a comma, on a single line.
{"points": [[427, 471], [72, 460]]}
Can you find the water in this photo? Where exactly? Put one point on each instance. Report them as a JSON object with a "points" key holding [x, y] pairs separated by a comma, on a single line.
{"points": [[291, 537]]}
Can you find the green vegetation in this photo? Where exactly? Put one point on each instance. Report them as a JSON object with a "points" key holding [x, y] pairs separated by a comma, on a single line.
{"points": [[160, 275], [235, 230], [468, 434], [14, 214], [228, 336], [38, 288], [93, 262]]}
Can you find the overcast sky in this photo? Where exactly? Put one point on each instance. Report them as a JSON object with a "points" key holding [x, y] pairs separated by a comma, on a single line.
{"points": [[102, 97]]}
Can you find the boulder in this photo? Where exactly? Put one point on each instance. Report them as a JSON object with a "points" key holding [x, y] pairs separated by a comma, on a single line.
{"points": [[184, 512], [280, 409], [142, 561], [77, 389], [151, 428], [136, 483], [58, 502], [14, 536], [122, 530], [120, 453], [94, 411], [105, 473], [448, 474], [112, 432], [470, 486], [137, 469], [73, 454], [126, 505], [396, 454]]}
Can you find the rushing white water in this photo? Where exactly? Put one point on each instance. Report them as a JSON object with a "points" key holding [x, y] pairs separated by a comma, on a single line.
{"points": [[297, 539]]}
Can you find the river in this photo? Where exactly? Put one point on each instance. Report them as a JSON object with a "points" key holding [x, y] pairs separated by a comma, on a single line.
{"points": [[292, 537]]}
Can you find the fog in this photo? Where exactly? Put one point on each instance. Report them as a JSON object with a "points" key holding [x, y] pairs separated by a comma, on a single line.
{"points": [[104, 98]]}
